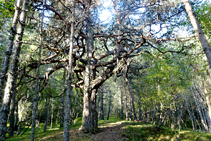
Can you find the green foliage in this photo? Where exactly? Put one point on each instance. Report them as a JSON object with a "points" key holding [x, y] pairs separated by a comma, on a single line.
{"points": [[164, 79], [6, 10], [204, 17]]}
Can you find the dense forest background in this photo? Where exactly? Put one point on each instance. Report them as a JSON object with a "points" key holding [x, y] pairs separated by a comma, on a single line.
{"points": [[137, 60]]}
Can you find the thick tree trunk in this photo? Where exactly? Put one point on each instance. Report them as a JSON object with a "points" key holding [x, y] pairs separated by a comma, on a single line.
{"points": [[8, 51], [94, 115], [69, 80], [11, 73], [198, 30], [89, 109], [90, 118], [85, 127]]}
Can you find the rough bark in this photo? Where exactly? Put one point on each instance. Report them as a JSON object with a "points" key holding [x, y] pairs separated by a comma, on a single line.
{"points": [[11, 73], [8, 51], [89, 74], [94, 115], [86, 107], [198, 30], [69, 79]]}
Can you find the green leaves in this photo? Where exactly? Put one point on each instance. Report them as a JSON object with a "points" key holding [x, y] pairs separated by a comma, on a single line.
{"points": [[6, 10]]}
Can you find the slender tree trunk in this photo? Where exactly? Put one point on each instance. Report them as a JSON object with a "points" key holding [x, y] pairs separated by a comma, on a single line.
{"points": [[126, 104], [11, 74], [46, 115], [16, 115], [153, 116], [52, 109], [192, 117], [57, 117], [101, 111], [140, 112], [121, 104], [198, 30], [12, 113], [132, 99], [62, 102], [37, 79], [69, 80], [203, 121], [8, 51], [109, 105]]}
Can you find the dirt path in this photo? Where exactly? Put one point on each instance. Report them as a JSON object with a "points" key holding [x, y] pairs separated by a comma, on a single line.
{"points": [[112, 132], [109, 132]]}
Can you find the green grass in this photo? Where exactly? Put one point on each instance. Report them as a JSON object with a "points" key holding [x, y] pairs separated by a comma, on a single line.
{"points": [[39, 134], [146, 132], [56, 131], [134, 131]]}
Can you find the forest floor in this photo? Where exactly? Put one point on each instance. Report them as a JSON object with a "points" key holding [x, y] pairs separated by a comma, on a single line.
{"points": [[114, 130]]}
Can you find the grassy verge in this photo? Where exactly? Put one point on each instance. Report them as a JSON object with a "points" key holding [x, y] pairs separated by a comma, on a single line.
{"points": [[146, 132], [56, 133], [133, 131]]}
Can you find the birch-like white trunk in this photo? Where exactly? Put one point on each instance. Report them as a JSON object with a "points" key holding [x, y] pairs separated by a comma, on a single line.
{"points": [[11, 73], [8, 51]]}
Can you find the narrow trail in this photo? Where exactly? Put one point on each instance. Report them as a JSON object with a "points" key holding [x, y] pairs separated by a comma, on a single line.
{"points": [[108, 132], [111, 132]]}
